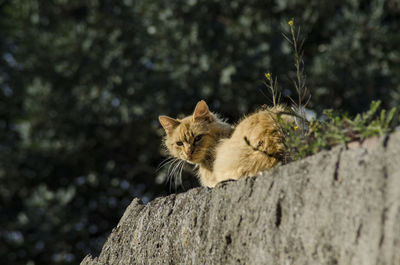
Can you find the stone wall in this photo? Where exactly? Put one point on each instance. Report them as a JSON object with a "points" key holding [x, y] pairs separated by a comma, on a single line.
{"points": [[336, 207]]}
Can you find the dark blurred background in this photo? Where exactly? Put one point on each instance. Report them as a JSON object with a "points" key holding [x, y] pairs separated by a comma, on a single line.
{"points": [[83, 82]]}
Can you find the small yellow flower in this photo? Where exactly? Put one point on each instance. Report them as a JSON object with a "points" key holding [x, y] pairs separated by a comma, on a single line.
{"points": [[268, 76], [291, 22], [296, 128]]}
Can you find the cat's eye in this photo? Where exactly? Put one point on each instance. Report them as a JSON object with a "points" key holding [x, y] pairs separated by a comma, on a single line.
{"points": [[179, 143], [198, 138]]}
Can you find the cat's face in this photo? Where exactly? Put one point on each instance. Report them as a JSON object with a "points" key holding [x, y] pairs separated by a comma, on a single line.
{"points": [[191, 138]]}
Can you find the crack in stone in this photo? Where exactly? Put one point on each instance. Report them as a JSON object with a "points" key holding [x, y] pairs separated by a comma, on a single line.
{"points": [[385, 209], [278, 213], [385, 141], [251, 187], [337, 165], [359, 232]]}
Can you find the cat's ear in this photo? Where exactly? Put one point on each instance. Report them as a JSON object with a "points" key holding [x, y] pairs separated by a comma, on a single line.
{"points": [[169, 124], [201, 112]]}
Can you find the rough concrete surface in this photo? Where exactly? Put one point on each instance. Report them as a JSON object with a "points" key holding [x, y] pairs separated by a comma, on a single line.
{"points": [[336, 207]]}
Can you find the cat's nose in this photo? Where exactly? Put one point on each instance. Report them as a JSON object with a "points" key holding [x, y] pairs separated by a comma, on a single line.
{"points": [[189, 152]]}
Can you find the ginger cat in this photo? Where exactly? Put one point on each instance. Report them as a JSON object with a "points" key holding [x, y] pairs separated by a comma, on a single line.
{"points": [[194, 139], [206, 141]]}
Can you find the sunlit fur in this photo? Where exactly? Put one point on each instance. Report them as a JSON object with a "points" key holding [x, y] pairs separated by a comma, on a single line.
{"points": [[201, 152], [256, 143], [264, 148]]}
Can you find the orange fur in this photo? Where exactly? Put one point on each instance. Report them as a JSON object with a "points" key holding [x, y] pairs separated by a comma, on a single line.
{"points": [[256, 143], [181, 139]]}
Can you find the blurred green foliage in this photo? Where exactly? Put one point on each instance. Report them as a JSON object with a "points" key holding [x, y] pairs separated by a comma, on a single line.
{"points": [[82, 84]]}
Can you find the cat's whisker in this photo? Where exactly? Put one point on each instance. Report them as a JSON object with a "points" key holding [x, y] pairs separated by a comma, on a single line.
{"points": [[172, 165], [172, 173], [180, 176], [175, 173], [165, 162], [177, 176], [178, 172]]}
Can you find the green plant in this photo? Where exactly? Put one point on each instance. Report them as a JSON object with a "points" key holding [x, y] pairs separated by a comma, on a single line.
{"points": [[307, 138], [339, 129]]}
